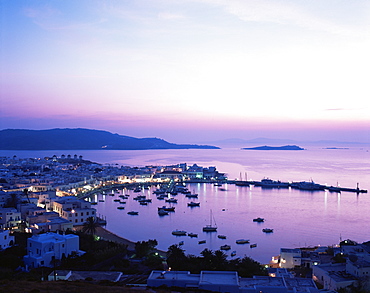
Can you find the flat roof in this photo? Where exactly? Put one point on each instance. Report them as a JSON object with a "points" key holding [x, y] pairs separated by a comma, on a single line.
{"points": [[262, 281], [223, 277], [174, 275]]}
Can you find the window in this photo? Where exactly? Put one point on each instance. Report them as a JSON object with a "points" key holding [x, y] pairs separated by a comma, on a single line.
{"points": [[82, 214], [76, 214], [76, 221], [87, 213]]}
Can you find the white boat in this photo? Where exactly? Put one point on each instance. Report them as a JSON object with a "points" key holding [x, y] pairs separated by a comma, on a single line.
{"points": [[179, 233], [242, 241], [210, 227]]}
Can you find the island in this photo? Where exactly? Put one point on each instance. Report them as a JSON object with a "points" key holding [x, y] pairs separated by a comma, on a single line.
{"points": [[276, 148]]}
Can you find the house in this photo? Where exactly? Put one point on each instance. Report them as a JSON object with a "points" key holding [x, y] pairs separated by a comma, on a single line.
{"points": [[43, 249], [9, 218], [48, 222], [74, 210], [333, 276], [228, 281], [6, 240], [290, 258]]}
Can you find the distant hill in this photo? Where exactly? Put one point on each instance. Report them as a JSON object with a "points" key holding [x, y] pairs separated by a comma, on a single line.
{"points": [[274, 148], [82, 139]]}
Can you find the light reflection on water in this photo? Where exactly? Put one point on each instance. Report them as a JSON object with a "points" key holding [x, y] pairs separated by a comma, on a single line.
{"points": [[298, 218]]}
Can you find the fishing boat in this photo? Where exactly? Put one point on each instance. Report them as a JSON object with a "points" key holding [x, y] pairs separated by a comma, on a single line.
{"points": [[267, 230], [173, 200], [132, 213], [120, 208], [116, 200], [210, 227], [167, 209], [201, 242], [233, 253], [259, 220], [221, 236], [193, 204], [179, 233], [192, 235], [242, 241], [253, 245]]}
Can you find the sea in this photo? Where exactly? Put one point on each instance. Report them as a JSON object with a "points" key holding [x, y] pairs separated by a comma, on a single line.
{"points": [[298, 218]]}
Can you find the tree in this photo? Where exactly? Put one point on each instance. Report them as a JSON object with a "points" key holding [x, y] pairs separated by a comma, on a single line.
{"points": [[90, 226], [176, 257], [145, 248]]}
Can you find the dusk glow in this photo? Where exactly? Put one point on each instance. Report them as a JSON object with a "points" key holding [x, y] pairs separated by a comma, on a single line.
{"points": [[188, 71]]}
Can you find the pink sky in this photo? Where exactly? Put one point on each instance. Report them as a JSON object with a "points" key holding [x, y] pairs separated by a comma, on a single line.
{"points": [[188, 71]]}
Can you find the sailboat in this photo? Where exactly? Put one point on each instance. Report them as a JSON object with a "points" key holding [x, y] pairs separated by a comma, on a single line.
{"points": [[210, 228]]}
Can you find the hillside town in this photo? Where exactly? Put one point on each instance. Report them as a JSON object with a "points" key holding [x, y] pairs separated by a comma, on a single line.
{"points": [[45, 198]]}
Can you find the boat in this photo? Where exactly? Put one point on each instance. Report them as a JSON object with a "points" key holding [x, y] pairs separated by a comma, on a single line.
{"points": [[259, 220], [201, 242], [267, 230], [120, 208], [101, 200], [139, 197], [233, 253], [192, 235], [225, 247], [210, 228], [116, 200], [193, 204], [181, 243], [167, 209], [132, 213], [143, 203], [173, 200], [221, 236], [137, 189], [217, 184], [94, 203], [309, 186], [269, 183], [162, 213], [242, 241], [122, 202], [179, 233], [192, 195], [253, 245]]}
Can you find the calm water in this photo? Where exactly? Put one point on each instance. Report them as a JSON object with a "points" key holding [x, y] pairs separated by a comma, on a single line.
{"points": [[299, 218]]}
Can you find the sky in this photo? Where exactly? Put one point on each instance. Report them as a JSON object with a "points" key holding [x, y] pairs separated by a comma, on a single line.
{"points": [[188, 71]]}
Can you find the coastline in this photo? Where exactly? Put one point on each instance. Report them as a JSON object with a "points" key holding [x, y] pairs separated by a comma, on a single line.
{"points": [[109, 236]]}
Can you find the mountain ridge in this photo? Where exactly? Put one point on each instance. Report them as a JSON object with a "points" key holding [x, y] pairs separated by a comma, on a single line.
{"points": [[82, 139]]}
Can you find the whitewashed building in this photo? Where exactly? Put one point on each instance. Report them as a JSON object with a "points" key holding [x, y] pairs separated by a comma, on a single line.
{"points": [[290, 258], [6, 240], [74, 210], [9, 218], [42, 249]]}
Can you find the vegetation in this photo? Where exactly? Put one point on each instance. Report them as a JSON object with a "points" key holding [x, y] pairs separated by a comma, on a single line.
{"points": [[212, 261], [90, 225]]}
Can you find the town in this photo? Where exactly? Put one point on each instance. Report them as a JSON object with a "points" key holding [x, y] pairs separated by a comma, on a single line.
{"points": [[46, 199]]}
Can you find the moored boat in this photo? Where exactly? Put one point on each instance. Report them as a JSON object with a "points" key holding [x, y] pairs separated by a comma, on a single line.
{"points": [[242, 241], [193, 204], [267, 230], [132, 213], [120, 208], [253, 245], [201, 242], [259, 220], [210, 227], [233, 253], [192, 235], [225, 247], [179, 233], [221, 236]]}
